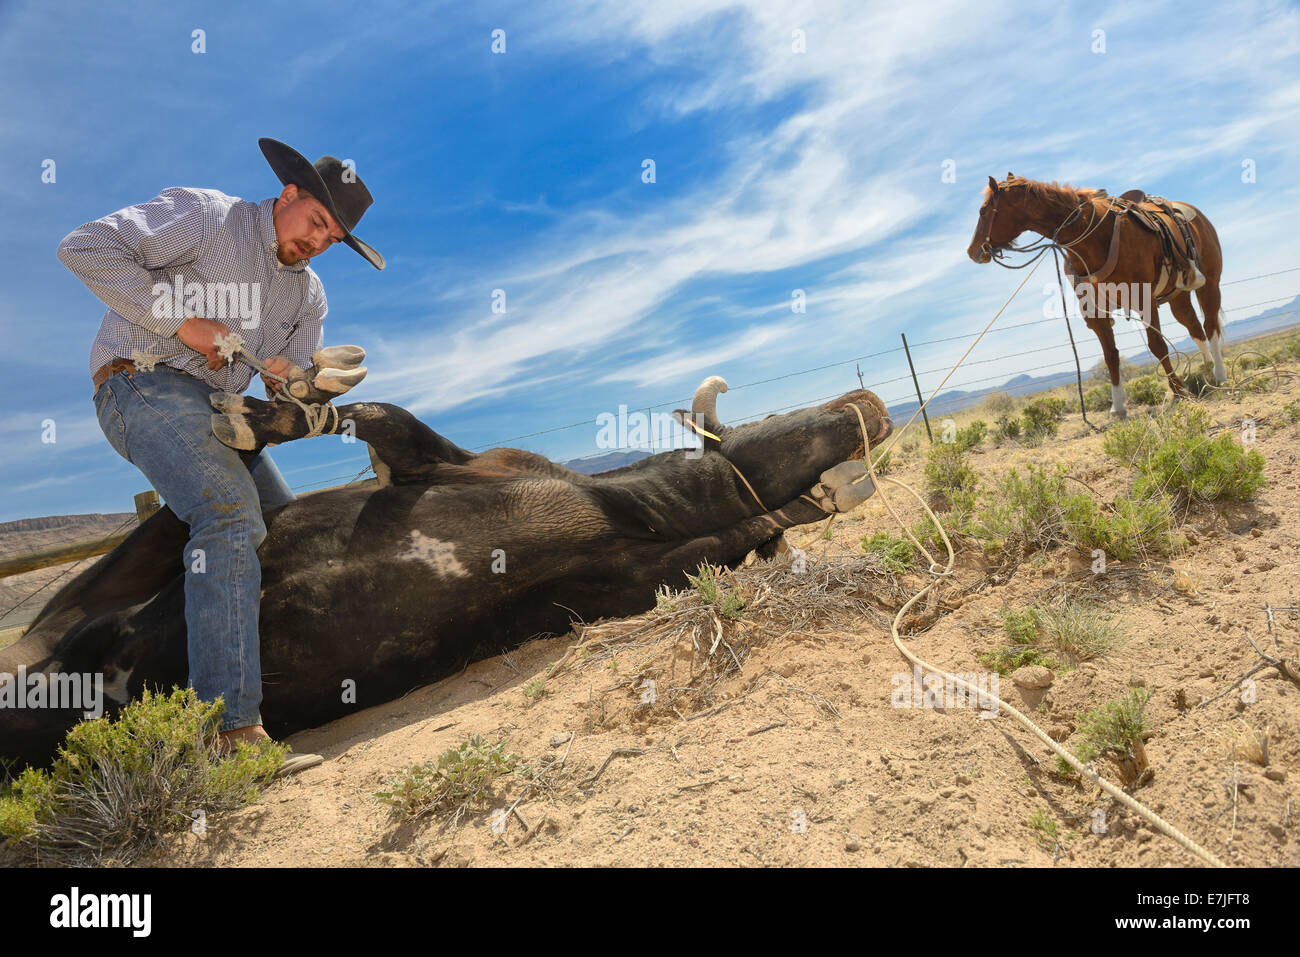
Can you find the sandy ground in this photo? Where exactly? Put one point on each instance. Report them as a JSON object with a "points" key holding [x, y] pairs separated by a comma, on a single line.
{"points": [[800, 759]]}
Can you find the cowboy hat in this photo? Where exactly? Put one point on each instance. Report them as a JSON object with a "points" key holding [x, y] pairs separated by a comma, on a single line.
{"points": [[335, 184]]}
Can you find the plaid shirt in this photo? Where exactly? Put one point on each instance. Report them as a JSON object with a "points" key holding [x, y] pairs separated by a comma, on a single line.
{"points": [[149, 262]]}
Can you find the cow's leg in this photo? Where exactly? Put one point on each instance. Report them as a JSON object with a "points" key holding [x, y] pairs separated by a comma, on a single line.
{"points": [[406, 447], [1106, 336], [1211, 301]]}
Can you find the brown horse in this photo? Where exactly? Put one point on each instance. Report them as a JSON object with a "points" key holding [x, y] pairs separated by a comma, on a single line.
{"points": [[1116, 259]]}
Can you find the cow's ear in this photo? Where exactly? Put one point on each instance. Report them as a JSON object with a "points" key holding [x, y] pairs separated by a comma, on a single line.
{"points": [[691, 422]]}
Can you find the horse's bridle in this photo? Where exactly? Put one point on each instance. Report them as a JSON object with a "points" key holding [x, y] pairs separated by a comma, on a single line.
{"points": [[987, 245], [1045, 243]]}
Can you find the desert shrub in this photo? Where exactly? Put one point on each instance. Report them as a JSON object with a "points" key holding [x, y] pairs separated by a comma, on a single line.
{"points": [[460, 778], [1129, 529], [1007, 427], [971, 436], [1119, 726], [1173, 454], [118, 786], [1291, 411], [1080, 629], [1040, 418], [1007, 658], [1145, 390], [1021, 626], [963, 504], [1250, 360], [883, 463], [897, 555], [999, 404], [1198, 382], [1028, 509], [1024, 643], [947, 471], [1097, 399], [729, 604]]}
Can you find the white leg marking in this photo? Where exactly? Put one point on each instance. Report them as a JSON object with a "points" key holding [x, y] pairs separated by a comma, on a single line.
{"points": [[1216, 350], [1205, 352], [1117, 401]]}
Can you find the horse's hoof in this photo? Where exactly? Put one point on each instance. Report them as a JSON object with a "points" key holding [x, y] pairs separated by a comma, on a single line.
{"points": [[234, 431]]}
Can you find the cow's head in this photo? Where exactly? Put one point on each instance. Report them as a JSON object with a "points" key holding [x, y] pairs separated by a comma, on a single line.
{"points": [[783, 456]]}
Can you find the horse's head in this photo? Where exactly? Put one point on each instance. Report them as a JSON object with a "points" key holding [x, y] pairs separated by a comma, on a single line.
{"points": [[1002, 217]]}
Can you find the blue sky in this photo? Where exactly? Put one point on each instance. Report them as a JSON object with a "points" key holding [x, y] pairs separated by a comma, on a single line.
{"points": [[775, 170]]}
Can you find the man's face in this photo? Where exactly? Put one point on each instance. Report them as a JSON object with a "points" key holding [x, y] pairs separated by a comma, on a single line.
{"points": [[303, 226]]}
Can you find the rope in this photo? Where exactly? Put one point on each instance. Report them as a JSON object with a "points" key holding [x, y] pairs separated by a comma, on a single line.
{"points": [[983, 697], [231, 347]]}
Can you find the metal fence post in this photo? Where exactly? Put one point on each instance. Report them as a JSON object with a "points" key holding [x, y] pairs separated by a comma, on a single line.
{"points": [[924, 415]]}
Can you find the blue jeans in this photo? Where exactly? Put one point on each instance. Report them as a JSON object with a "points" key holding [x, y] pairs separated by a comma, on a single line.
{"points": [[160, 422]]}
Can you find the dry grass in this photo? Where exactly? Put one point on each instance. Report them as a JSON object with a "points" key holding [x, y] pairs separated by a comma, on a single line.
{"points": [[672, 659], [1242, 740]]}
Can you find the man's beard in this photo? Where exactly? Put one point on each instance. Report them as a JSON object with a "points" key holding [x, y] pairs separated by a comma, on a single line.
{"points": [[288, 253]]}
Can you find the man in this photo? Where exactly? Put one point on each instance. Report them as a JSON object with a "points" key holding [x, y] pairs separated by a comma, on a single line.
{"points": [[178, 274]]}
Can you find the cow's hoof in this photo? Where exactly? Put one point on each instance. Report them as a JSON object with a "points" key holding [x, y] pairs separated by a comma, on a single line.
{"points": [[234, 431], [338, 357], [229, 402], [844, 487], [338, 381]]}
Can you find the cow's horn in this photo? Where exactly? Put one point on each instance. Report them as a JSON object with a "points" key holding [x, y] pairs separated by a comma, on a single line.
{"points": [[706, 397]]}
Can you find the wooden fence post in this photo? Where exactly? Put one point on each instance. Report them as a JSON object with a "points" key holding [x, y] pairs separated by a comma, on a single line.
{"points": [[146, 503]]}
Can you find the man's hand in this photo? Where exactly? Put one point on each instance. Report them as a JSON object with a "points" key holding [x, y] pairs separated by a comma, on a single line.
{"points": [[280, 366], [199, 334]]}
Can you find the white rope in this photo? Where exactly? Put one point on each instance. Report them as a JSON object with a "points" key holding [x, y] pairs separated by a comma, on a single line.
{"points": [[231, 348]]}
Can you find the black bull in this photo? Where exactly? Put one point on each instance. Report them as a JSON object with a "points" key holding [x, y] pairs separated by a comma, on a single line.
{"points": [[456, 557]]}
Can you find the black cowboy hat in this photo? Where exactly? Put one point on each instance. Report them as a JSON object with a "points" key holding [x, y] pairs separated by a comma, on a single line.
{"points": [[337, 187]]}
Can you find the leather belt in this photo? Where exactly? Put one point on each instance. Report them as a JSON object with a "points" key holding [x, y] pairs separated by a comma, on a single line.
{"points": [[114, 367]]}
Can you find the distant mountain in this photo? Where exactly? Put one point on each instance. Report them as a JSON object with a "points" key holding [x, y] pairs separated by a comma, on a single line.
{"points": [[607, 461]]}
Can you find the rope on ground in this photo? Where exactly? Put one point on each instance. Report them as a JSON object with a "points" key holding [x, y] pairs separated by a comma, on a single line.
{"points": [[983, 697]]}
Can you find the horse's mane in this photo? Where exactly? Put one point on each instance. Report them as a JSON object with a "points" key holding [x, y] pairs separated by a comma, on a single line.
{"points": [[1047, 193]]}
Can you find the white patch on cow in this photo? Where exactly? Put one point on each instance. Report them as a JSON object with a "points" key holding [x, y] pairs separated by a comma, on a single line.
{"points": [[437, 554], [115, 684]]}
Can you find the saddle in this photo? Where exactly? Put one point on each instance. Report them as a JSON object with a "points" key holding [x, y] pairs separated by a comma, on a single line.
{"points": [[1170, 222]]}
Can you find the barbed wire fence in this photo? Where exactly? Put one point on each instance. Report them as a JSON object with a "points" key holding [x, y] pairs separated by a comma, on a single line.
{"points": [[951, 400]]}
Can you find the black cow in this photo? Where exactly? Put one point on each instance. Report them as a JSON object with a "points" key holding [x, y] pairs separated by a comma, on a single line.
{"points": [[455, 556]]}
